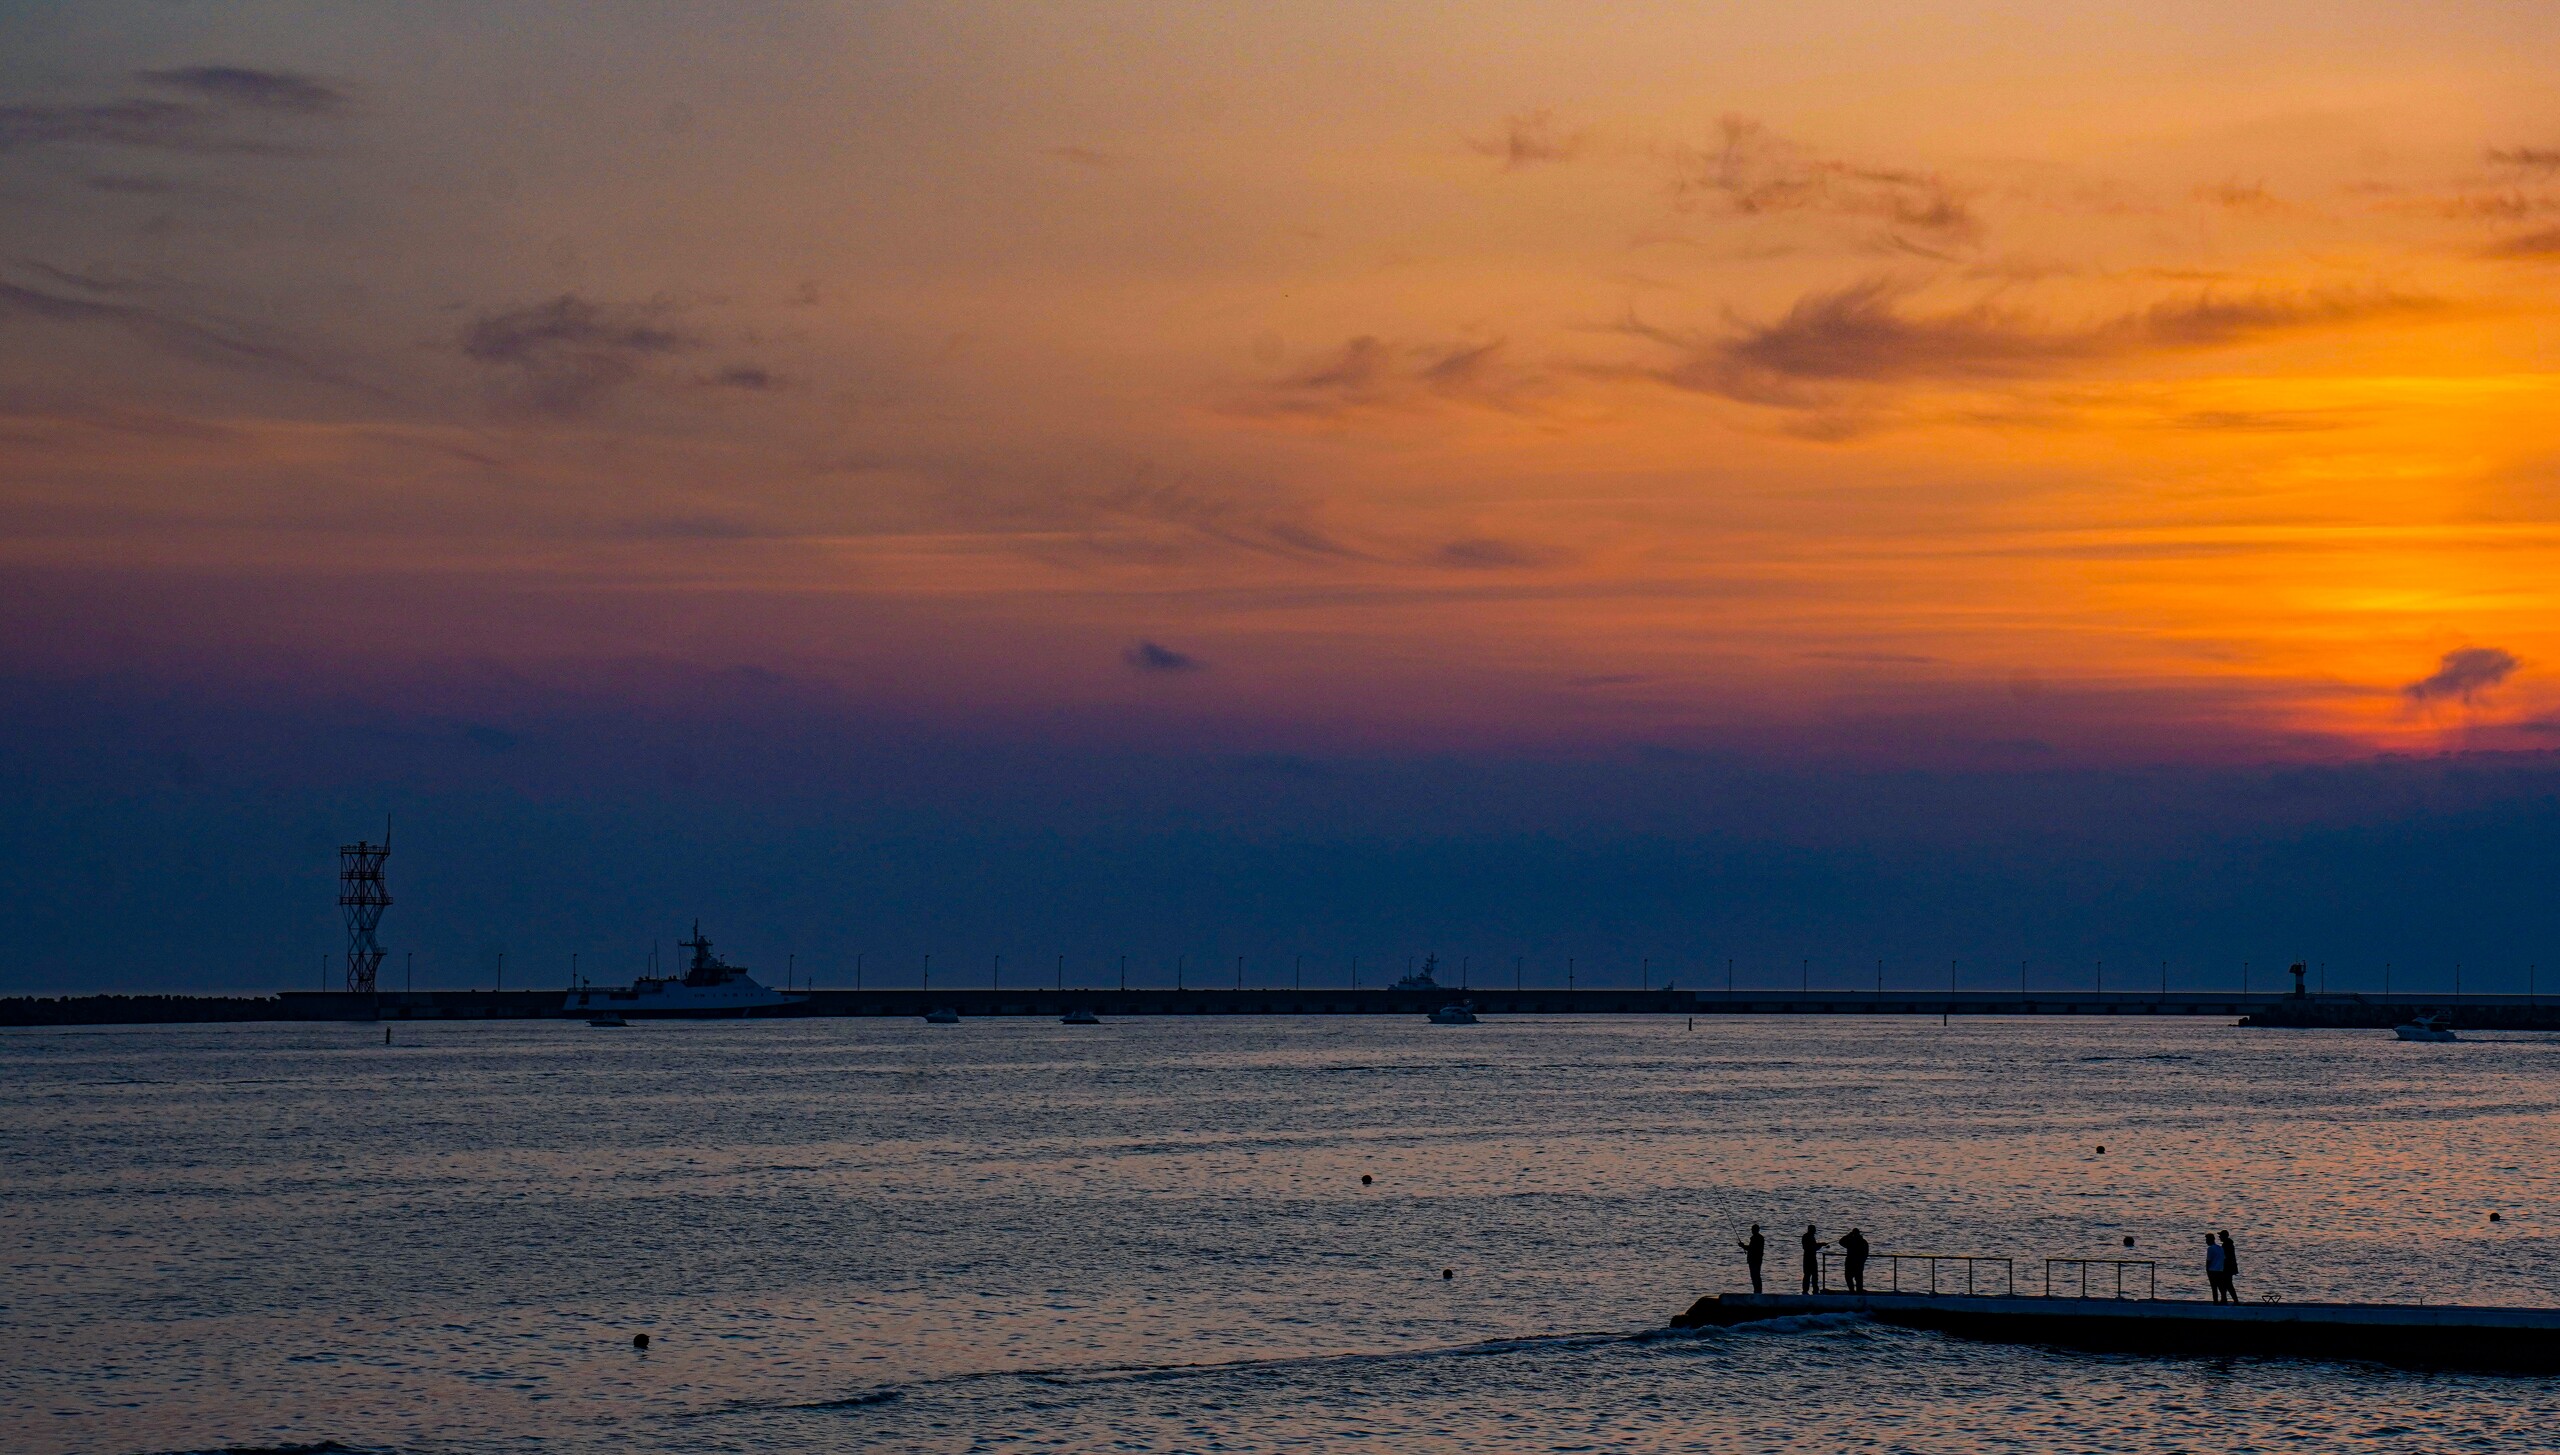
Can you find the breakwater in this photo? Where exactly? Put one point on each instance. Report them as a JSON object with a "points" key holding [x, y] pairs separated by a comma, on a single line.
{"points": [[2426, 1334], [2466, 1012]]}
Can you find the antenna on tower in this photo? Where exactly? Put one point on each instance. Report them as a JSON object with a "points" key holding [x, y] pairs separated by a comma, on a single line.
{"points": [[362, 894]]}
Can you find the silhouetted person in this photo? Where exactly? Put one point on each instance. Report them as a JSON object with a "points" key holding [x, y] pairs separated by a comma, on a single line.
{"points": [[2230, 1268], [1752, 1252], [2213, 1267], [1813, 1247], [1853, 1260]]}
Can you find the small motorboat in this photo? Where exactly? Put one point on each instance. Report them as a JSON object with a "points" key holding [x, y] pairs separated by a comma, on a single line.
{"points": [[2425, 1028], [946, 1016], [1454, 1015], [607, 1022], [1080, 1016]]}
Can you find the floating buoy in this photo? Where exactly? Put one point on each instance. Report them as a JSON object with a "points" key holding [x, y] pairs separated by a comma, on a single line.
{"points": [[2102, 1149], [2128, 1240], [1448, 1273], [2493, 1217], [1364, 1179], [639, 1341]]}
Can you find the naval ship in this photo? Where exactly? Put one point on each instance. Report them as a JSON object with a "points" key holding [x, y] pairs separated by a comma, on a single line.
{"points": [[710, 986]]}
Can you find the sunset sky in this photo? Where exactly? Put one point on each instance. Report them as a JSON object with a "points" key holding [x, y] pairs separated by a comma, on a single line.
{"points": [[1243, 423]]}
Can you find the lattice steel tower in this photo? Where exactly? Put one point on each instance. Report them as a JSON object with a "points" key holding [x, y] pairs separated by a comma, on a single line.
{"points": [[362, 894]]}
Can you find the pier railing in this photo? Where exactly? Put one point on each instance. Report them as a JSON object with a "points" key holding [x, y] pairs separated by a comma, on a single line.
{"points": [[1939, 1273], [2078, 1270]]}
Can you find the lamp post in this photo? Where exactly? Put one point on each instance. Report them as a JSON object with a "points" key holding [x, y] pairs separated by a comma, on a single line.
{"points": [[928, 970], [995, 976], [1568, 972], [1239, 972]]}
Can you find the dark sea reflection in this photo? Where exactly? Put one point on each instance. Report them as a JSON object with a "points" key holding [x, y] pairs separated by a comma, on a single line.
{"points": [[1153, 1235]]}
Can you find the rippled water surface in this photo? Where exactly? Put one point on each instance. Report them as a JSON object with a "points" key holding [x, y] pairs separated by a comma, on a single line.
{"points": [[1153, 1235]]}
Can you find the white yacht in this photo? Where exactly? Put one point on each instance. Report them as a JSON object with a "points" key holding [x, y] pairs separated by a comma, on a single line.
{"points": [[710, 986], [1454, 1015], [2425, 1028]]}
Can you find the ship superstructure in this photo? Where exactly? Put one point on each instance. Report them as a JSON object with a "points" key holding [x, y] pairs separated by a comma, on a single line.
{"points": [[710, 986]]}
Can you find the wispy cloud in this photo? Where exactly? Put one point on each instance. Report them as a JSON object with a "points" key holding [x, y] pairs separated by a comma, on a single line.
{"points": [[1530, 138], [1491, 553], [752, 377], [2543, 244], [1754, 172], [2525, 159], [566, 355], [1370, 373], [2464, 674], [1156, 658], [1869, 333], [2236, 196], [218, 100], [250, 87], [73, 299]]}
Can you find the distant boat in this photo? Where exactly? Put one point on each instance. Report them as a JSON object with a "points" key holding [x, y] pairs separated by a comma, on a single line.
{"points": [[606, 1022], [1454, 1015], [1080, 1016], [710, 986], [2425, 1028], [945, 1016], [1425, 980]]}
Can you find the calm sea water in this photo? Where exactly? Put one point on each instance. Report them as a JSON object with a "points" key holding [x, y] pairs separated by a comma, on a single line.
{"points": [[1153, 1235]]}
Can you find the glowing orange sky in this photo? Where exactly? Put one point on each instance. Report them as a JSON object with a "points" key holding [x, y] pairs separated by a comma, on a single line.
{"points": [[2135, 380]]}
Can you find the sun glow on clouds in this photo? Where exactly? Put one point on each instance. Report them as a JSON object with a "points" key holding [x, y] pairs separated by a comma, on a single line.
{"points": [[1529, 401]]}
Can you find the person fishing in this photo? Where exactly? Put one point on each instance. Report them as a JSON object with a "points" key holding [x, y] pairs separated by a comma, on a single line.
{"points": [[1853, 1260], [2213, 1267], [1813, 1246], [1753, 1250], [2230, 1269]]}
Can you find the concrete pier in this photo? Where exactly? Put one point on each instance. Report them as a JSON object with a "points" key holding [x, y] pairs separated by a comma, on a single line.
{"points": [[2466, 1012], [2432, 1334]]}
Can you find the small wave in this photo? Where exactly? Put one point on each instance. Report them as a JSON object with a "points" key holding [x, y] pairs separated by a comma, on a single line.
{"points": [[1803, 1324], [853, 1401], [1100, 1374], [323, 1447]]}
